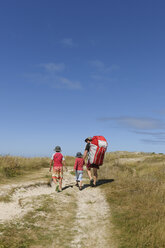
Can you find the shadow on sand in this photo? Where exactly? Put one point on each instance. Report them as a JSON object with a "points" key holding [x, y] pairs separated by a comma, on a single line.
{"points": [[99, 182], [68, 186]]}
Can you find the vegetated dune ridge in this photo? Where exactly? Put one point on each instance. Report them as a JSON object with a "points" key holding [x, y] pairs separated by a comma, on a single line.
{"points": [[136, 198]]}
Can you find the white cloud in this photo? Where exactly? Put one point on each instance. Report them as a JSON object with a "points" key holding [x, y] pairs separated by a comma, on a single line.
{"points": [[136, 123], [50, 75], [149, 128], [101, 67], [140, 123], [53, 67], [160, 135], [97, 64], [68, 42], [63, 82], [153, 142], [154, 137]]}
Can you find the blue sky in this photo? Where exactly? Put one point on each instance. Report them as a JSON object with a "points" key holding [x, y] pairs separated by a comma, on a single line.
{"points": [[73, 69]]}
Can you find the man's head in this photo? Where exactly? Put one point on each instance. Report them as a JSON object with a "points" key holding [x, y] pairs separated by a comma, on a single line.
{"points": [[87, 140]]}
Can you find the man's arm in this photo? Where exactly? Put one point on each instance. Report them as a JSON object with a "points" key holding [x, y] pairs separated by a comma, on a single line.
{"points": [[87, 148], [85, 154]]}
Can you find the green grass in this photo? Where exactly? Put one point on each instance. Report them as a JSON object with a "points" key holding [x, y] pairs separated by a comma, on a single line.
{"points": [[137, 200]]}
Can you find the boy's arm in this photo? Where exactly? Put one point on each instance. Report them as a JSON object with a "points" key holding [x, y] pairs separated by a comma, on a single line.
{"points": [[64, 164], [50, 165]]}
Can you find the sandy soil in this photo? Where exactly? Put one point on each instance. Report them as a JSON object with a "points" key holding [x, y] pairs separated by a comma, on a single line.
{"points": [[131, 160], [92, 226]]}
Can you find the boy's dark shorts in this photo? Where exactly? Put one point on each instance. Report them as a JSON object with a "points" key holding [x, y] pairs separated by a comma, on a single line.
{"points": [[89, 166]]}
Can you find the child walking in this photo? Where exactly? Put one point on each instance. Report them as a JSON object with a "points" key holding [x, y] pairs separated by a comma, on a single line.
{"points": [[58, 162], [78, 167]]}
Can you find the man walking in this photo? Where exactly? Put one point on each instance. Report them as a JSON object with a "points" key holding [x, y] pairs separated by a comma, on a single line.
{"points": [[89, 166]]}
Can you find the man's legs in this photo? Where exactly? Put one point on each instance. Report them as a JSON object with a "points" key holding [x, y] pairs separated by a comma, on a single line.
{"points": [[89, 173], [95, 175], [90, 176]]}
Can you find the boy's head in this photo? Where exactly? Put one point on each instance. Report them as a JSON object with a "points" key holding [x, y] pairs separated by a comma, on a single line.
{"points": [[79, 155], [57, 149]]}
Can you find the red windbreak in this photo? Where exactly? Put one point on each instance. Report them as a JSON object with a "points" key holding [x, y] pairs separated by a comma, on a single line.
{"points": [[96, 138]]}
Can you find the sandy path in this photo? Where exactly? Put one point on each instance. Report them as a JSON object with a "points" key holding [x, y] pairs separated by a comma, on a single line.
{"points": [[92, 221], [91, 228]]}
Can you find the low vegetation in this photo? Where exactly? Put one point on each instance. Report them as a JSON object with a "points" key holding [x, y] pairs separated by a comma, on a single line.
{"points": [[11, 166], [134, 185], [136, 198]]}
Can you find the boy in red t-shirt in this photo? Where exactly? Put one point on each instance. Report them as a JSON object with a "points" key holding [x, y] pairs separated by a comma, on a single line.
{"points": [[78, 167], [58, 161]]}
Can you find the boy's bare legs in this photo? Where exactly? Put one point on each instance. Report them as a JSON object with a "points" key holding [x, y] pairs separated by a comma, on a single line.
{"points": [[95, 175], [55, 180], [60, 184], [80, 185]]}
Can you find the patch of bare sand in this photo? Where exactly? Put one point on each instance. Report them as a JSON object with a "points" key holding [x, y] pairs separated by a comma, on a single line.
{"points": [[131, 160], [92, 225], [23, 196]]}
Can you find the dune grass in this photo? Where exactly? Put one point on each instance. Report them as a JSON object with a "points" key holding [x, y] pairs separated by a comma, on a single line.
{"points": [[137, 200], [12, 166]]}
